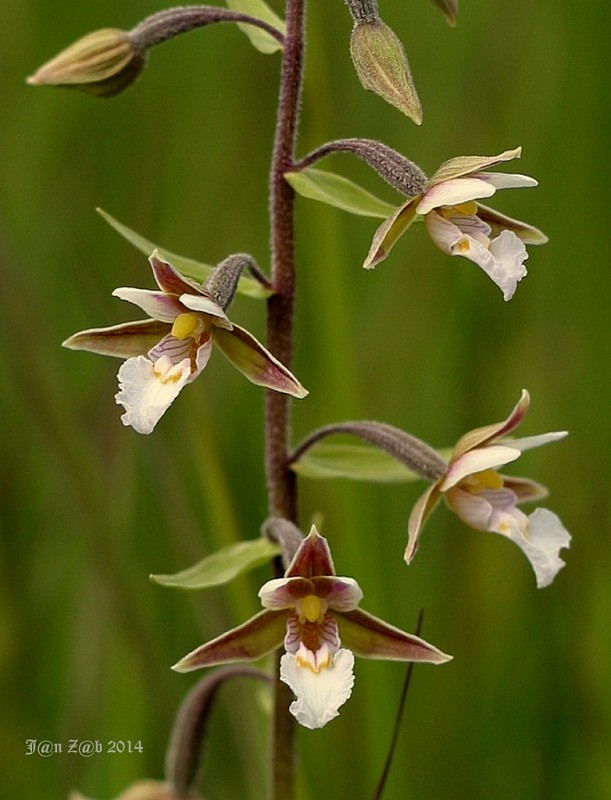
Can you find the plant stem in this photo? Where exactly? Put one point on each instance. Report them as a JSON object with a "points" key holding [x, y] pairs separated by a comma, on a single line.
{"points": [[281, 485], [280, 306]]}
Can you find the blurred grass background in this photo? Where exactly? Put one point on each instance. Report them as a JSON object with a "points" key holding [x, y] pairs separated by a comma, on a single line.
{"points": [[89, 508]]}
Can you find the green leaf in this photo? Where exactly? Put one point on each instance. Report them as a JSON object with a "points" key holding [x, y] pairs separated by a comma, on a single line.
{"points": [[357, 462], [338, 191], [222, 566], [186, 266], [259, 39]]}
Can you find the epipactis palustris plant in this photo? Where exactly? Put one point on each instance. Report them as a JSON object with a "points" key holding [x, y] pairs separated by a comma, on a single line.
{"points": [[313, 612], [308, 610]]}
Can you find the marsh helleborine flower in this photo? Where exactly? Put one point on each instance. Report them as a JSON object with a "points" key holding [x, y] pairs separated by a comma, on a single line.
{"points": [[170, 349], [487, 501], [460, 225], [314, 613]]}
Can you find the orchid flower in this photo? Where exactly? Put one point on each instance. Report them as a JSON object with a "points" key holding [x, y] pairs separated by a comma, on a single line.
{"points": [[460, 225], [313, 612], [170, 349], [487, 501]]}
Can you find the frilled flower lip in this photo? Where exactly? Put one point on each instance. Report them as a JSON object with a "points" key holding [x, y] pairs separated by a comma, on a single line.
{"points": [[309, 609], [491, 504], [160, 361], [458, 181]]}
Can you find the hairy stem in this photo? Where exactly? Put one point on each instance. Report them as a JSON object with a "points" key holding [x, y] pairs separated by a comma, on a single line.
{"points": [[414, 453], [166, 24], [281, 485]]}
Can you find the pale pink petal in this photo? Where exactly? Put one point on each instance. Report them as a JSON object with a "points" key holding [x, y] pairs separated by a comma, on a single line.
{"points": [[478, 460], [473, 509], [529, 442], [147, 390], [319, 694], [284, 592], [471, 225], [505, 180], [340, 594], [123, 341], [453, 192], [205, 305], [255, 362], [164, 307], [444, 233]]}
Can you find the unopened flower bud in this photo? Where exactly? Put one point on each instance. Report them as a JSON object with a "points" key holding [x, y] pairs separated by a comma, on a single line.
{"points": [[382, 67], [102, 63]]}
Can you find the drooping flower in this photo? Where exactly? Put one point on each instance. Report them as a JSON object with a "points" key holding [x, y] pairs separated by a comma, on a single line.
{"points": [[488, 501], [460, 225], [170, 349], [316, 615]]}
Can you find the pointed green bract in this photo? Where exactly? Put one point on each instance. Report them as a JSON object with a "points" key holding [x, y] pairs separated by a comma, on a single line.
{"points": [[186, 266], [357, 462], [259, 39], [223, 566], [335, 190]]}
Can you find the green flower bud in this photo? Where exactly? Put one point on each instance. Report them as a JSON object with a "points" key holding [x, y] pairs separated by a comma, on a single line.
{"points": [[382, 67], [102, 63]]}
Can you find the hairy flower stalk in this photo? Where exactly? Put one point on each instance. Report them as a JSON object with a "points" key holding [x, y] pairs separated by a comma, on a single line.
{"points": [[165, 25], [397, 170], [414, 453]]}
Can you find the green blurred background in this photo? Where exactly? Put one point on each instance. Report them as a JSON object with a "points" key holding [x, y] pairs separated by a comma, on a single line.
{"points": [[89, 508]]}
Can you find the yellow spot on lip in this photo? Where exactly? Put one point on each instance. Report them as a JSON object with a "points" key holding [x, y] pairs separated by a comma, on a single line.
{"points": [[170, 376], [463, 246]]}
